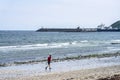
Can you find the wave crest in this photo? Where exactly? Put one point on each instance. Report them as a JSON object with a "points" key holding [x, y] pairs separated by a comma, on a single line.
{"points": [[115, 41], [63, 59]]}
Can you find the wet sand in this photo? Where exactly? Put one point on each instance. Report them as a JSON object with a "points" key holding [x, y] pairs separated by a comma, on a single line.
{"points": [[101, 73]]}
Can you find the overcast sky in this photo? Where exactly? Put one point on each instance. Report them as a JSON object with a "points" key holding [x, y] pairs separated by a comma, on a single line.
{"points": [[33, 14]]}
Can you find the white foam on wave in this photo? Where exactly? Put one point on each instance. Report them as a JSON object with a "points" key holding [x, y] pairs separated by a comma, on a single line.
{"points": [[34, 46], [84, 43], [74, 42], [113, 49], [39, 46], [117, 41], [22, 47]]}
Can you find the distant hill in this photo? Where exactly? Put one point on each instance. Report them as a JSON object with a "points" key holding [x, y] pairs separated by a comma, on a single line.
{"points": [[116, 25]]}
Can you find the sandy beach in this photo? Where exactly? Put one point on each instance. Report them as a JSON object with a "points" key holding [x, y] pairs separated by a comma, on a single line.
{"points": [[89, 74], [86, 74]]}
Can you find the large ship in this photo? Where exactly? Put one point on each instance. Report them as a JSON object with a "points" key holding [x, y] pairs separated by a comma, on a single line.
{"points": [[59, 30], [67, 29], [77, 30], [108, 30], [115, 27]]}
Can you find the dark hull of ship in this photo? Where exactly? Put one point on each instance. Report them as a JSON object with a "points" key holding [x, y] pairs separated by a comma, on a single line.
{"points": [[78, 30], [108, 30]]}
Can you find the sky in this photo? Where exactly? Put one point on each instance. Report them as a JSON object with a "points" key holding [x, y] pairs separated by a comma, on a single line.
{"points": [[34, 14]]}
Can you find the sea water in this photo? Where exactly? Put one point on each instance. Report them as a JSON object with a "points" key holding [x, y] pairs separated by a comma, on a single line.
{"points": [[22, 46]]}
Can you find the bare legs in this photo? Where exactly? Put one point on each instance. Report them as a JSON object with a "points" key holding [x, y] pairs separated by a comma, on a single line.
{"points": [[48, 67]]}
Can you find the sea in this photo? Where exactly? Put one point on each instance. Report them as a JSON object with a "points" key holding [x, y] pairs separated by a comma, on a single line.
{"points": [[31, 46]]}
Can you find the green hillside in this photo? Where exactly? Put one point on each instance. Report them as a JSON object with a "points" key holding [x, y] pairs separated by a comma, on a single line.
{"points": [[116, 25]]}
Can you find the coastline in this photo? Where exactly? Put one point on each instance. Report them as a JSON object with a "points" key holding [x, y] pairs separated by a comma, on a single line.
{"points": [[85, 69], [85, 74], [79, 57]]}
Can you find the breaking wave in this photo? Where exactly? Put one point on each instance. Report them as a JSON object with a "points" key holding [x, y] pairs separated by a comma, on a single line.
{"points": [[84, 43], [63, 59], [115, 41], [41, 46]]}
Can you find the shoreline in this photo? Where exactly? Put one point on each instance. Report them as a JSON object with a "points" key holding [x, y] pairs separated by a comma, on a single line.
{"points": [[79, 57], [64, 70], [85, 74]]}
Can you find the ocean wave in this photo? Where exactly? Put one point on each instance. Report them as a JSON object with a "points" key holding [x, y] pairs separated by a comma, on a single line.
{"points": [[63, 59], [115, 41], [113, 49], [22, 47], [35, 46], [82, 43], [39, 46]]}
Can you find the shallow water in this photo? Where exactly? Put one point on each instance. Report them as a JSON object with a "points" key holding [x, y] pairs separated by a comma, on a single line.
{"points": [[64, 66]]}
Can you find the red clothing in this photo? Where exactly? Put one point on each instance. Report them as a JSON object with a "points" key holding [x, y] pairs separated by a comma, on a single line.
{"points": [[49, 58]]}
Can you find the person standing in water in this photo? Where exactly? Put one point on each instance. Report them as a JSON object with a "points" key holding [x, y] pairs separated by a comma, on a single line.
{"points": [[49, 61]]}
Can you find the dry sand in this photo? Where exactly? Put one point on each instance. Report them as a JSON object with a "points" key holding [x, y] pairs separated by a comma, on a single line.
{"points": [[86, 74]]}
